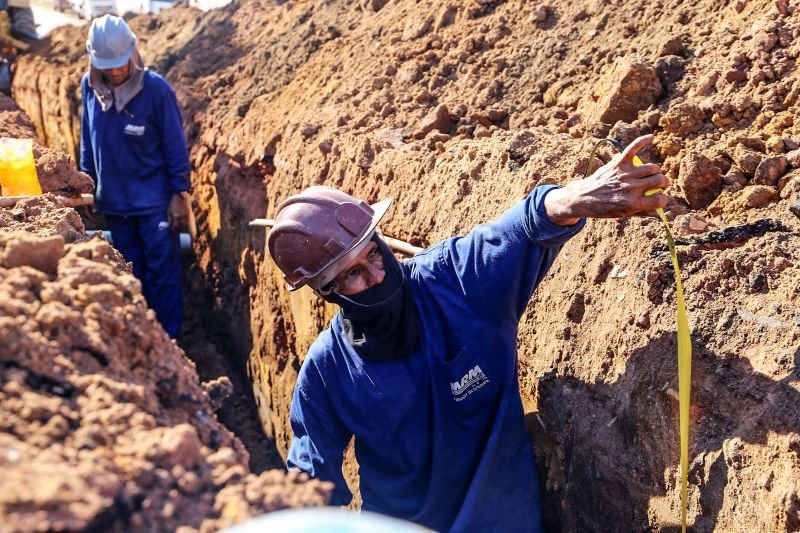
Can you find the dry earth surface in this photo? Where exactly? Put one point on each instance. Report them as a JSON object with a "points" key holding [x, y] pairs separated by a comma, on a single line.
{"points": [[456, 109]]}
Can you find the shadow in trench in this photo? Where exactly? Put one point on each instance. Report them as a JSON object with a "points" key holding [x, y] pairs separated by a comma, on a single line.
{"points": [[206, 339]]}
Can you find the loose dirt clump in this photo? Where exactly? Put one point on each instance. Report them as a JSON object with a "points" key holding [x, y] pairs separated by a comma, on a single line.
{"points": [[456, 111]]}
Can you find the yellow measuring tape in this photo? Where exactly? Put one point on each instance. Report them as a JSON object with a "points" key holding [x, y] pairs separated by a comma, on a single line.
{"points": [[684, 343]]}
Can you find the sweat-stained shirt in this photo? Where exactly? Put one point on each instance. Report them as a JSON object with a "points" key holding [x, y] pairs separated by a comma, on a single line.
{"points": [[138, 158], [440, 437]]}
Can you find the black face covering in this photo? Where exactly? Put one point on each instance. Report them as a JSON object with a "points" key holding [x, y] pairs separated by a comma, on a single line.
{"points": [[380, 323]]}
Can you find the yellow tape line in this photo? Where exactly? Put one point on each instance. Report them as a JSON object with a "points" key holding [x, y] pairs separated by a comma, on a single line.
{"points": [[684, 360]]}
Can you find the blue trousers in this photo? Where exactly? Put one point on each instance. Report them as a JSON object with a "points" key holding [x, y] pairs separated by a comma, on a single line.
{"points": [[154, 248]]}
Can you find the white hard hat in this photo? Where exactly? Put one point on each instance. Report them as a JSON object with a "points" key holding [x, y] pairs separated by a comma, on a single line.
{"points": [[111, 42], [325, 520]]}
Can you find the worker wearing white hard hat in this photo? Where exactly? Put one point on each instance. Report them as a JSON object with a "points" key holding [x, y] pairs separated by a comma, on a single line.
{"points": [[134, 147]]}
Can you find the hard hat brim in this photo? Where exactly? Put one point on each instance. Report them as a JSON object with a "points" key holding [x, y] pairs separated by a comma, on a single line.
{"points": [[113, 62]]}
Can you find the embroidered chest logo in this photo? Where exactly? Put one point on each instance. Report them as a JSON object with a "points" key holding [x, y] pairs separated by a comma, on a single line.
{"points": [[132, 129], [472, 381]]}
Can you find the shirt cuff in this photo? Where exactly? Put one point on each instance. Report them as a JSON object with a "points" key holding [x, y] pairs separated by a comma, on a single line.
{"points": [[543, 230]]}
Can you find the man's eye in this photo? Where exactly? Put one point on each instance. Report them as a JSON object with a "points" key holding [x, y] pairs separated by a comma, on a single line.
{"points": [[353, 272], [374, 254]]}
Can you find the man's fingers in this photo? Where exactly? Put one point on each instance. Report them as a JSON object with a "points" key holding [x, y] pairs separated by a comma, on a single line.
{"points": [[633, 148], [655, 181], [644, 171]]}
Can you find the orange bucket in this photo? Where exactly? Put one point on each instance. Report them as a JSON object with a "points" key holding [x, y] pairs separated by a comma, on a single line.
{"points": [[17, 168]]}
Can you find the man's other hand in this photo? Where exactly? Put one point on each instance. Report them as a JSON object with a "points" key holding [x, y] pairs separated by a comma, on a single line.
{"points": [[178, 212], [615, 190]]}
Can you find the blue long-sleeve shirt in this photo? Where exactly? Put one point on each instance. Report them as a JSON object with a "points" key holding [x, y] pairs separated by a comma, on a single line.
{"points": [[440, 437], [138, 158]]}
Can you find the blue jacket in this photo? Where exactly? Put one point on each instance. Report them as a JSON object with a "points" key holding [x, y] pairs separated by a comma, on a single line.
{"points": [[137, 158], [440, 437]]}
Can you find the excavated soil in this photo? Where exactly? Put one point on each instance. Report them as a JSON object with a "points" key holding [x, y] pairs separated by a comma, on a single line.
{"points": [[456, 110], [104, 425]]}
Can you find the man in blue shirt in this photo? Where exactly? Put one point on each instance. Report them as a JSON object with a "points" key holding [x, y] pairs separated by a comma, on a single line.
{"points": [[420, 364], [133, 146]]}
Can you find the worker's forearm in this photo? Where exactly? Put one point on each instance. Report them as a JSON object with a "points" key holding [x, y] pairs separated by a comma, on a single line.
{"points": [[558, 206]]}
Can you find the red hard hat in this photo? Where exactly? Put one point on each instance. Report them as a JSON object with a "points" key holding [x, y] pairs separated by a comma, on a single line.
{"points": [[319, 230]]}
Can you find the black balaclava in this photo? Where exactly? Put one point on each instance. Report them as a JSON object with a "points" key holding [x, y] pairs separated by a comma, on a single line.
{"points": [[380, 323]]}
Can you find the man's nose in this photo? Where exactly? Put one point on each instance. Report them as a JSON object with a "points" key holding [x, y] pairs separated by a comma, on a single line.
{"points": [[375, 275]]}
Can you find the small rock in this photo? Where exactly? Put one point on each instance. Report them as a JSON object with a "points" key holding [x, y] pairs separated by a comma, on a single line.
{"points": [[707, 83], [700, 180], [775, 145], [325, 146], [793, 157], [690, 224], [377, 5], [758, 195], [683, 119], [735, 177], [481, 118], [309, 130], [766, 480], [438, 119], [182, 445], [795, 209], [446, 17], [670, 69], [540, 14], [580, 15], [423, 97], [747, 159], [735, 75], [618, 272], [218, 390], [764, 42], [632, 85], [387, 110], [416, 29], [481, 131], [789, 183], [653, 117], [757, 281], [770, 169]]}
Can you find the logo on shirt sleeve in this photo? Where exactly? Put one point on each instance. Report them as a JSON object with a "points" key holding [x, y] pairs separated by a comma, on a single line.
{"points": [[132, 129], [472, 381]]}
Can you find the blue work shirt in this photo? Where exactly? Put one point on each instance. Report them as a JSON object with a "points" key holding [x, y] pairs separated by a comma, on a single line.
{"points": [[138, 158], [440, 437]]}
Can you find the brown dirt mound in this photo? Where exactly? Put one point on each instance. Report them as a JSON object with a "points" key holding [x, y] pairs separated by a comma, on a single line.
{"points": [[456, 110], [104, 425]]}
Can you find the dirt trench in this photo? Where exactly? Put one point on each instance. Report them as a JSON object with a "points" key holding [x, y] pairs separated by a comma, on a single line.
{"points": [[468, 105]]}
